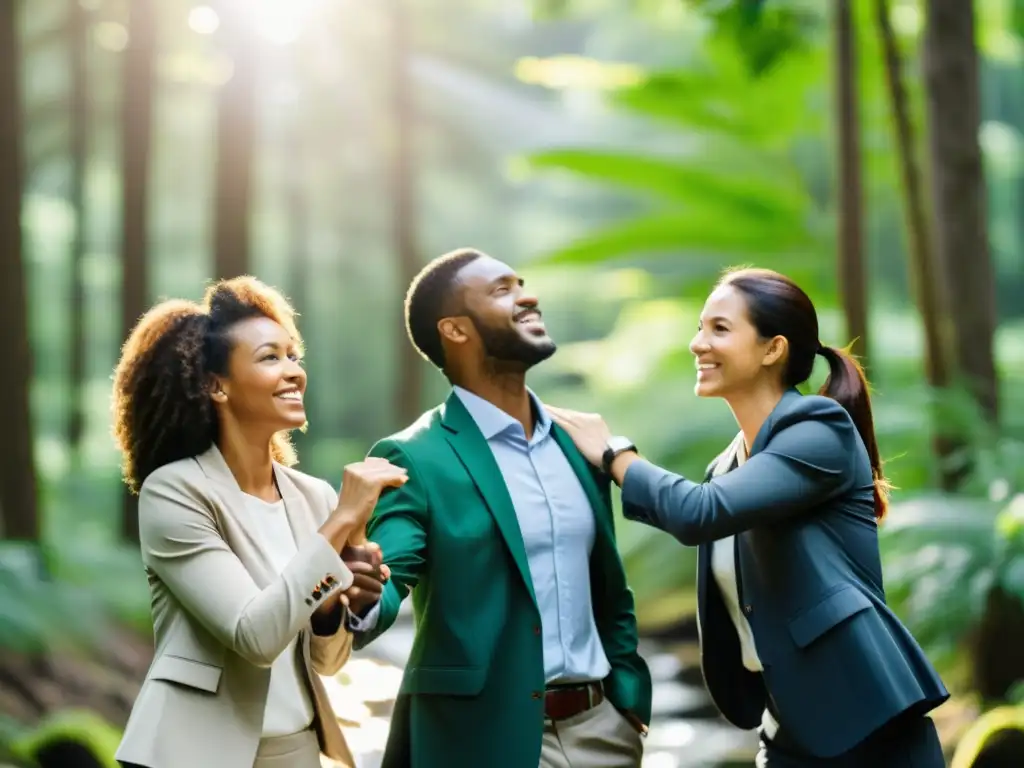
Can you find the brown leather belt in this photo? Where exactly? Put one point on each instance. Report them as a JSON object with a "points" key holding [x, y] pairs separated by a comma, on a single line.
{"points": [[563, 701]]}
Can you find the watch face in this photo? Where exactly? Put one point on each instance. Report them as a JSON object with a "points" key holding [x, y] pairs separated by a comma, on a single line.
{"points": [[617, 443]]}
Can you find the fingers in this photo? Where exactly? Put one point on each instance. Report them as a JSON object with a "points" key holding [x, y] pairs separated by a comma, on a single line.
{"points": [[376, 472], [365, 583], [361, 567], [562, 416], [394, 481], [375, 554]]}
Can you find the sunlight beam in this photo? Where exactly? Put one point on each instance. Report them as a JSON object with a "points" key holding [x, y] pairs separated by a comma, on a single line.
{"points": [[281, 22]]}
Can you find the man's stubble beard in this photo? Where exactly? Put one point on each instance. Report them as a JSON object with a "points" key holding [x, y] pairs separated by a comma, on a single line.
{"points": [[508, 350]]}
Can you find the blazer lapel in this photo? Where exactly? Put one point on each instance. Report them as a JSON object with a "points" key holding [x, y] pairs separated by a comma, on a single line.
{"points": [[602, 514], [723, 464], [247, 545], [300, 516], [475, 454], [768, 427]]}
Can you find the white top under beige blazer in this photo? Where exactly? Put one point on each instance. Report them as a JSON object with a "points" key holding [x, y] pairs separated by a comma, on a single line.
{"points": [[224, 611]]}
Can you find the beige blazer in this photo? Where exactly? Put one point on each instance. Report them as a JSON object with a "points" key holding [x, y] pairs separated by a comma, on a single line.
{"points": [[221, 615]]}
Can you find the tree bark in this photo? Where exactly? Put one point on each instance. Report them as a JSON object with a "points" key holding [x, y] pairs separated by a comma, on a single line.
{"points": [[18, 490], [297, 206], [959, 203], [78, 30], [410, 364], [926, 281], [236, 129], [136, 138], [852, 272], [951, 75]]}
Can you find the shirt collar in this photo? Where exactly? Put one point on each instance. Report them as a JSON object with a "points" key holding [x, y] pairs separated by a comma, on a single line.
{"points": [[492, 421]]}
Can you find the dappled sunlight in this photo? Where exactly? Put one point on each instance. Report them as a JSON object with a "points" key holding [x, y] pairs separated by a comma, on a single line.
{"points": [[369, 680], [643, 335], [369, 737], [660, 760], [203, 20], [357, 694], [671, 734], [577, 73]]}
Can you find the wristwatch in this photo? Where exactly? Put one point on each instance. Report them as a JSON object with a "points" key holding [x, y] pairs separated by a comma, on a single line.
{"points": [[615, 446]]}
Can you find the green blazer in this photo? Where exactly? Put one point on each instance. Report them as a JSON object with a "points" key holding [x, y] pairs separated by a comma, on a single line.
{"points": [[472, 693]]}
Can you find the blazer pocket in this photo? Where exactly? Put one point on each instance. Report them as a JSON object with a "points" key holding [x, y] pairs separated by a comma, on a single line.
{"points": [[811, 623], [195, 674], [453, 681]]}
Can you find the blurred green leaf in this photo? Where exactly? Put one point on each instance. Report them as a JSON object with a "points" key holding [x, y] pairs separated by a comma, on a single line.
{"points": [[39, 612], [750, 199], [80, 727], [764, 33], [943, 555], [675, 234], [723, 100]]}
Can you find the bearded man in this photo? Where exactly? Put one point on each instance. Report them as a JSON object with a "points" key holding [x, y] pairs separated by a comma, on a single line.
{"points": [[526, 641]]}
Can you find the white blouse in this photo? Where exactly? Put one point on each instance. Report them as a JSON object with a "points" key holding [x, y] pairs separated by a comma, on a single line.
{"points": [[723, 568], [289, 708]]}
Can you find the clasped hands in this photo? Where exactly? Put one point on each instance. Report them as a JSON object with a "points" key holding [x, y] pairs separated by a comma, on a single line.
{"points": [[361, 486], [366, 562]]}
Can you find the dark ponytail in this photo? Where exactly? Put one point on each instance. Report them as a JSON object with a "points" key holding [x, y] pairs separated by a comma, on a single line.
{"points": [[848, 386], [779, 307]]}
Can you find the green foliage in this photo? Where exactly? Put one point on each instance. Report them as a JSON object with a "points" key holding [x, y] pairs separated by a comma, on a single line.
{"points": [[735, 188], [982, 735], [764, 32], [79, 730], [710, 211], [734, 191], [944, 553], [41, 612]]}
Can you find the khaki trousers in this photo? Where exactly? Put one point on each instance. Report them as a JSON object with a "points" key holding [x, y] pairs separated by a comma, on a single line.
{"points": [[296, 750], [598, 738]]}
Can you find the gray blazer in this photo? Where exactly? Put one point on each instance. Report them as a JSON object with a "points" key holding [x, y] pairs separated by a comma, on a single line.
{"points": [[222, 614], [838, 664]]}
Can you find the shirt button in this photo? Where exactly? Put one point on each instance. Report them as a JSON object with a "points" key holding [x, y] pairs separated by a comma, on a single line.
{"points": [[535, 695], [747, 609], [536, 630]]}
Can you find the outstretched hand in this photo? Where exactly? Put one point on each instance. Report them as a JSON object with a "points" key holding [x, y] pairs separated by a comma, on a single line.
{"points": [[588, 431]]}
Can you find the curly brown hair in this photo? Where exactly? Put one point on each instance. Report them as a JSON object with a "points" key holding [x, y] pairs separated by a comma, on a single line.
{"points": [[161, 406]]}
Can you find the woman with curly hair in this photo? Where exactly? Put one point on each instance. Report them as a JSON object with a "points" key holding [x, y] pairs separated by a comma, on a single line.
{"points": [[241, 551]]}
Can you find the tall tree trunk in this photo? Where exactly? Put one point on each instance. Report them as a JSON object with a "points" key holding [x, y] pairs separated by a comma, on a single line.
{"points": [[925, 280], [136, 137], [77, 31], [959, 202], [296, 205], [18, 496], [962, 246], [852, 277], [236, 132], [410, 365]]}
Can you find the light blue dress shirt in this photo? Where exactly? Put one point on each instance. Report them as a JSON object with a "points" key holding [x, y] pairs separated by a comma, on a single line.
{"points": [[558, 527], [558, 524]]}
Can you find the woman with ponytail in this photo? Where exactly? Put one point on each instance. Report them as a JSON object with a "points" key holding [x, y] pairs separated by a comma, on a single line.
{"points": [[251, 564], [796, 636]]}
